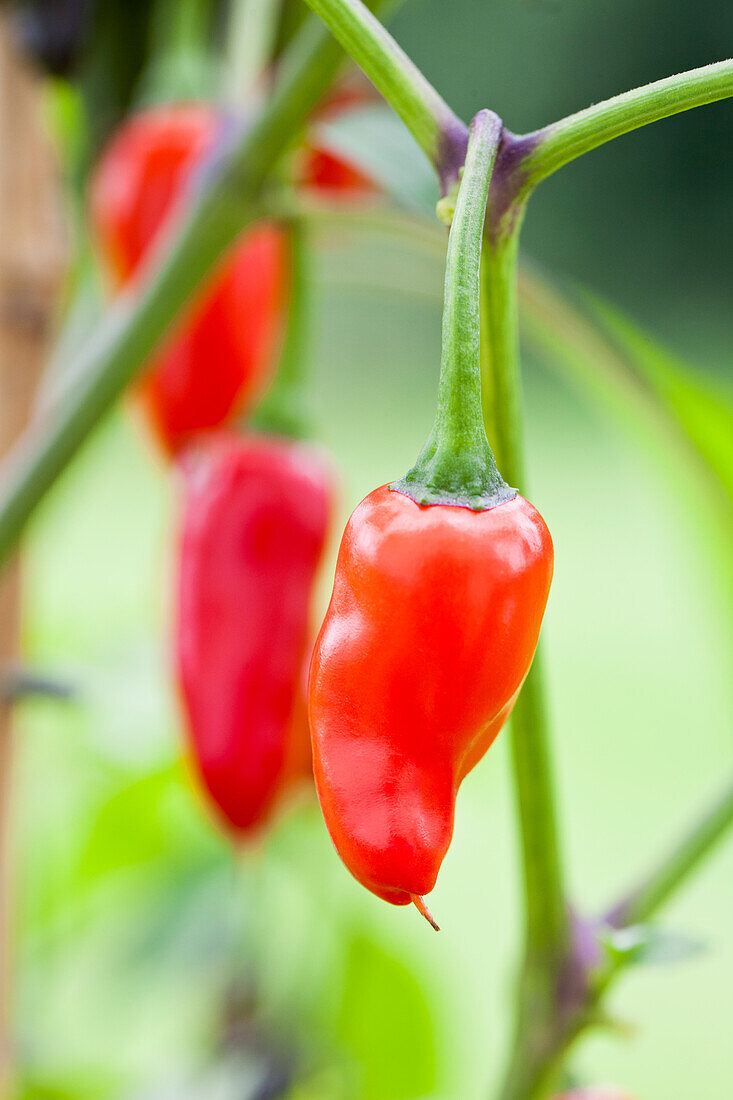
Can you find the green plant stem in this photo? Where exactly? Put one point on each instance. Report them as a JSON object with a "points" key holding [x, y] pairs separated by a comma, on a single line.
{"points": [[543, 879], [570, 137], [435, 127], [181, 60], [224, 206], [252, 35], [547, 933], [644, 900], [535, 1077], [457, 466], [545, 1031]]}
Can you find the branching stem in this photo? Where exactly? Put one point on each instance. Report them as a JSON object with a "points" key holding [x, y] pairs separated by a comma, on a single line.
{"points": [[570, 137], [435, 127], [644, 900]]}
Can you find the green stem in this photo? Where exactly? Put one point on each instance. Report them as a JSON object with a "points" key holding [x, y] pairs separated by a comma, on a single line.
{"points": [[282, 409], [547, 933], [563, 141], [642, 902], [456, 465], [435, 127], [535, 1077], [181, 63], [138, 322], [252, 35]]}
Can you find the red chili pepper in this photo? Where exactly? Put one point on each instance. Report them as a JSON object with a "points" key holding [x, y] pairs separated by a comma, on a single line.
{"points": [[255, 518], [431, 630], [221, 355], [441, 585]]}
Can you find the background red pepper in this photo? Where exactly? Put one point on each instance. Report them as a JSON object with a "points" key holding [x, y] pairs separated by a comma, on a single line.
{"points": [[431, 630], [221, 356], [325, 170], [332, 176], [255, 517]]}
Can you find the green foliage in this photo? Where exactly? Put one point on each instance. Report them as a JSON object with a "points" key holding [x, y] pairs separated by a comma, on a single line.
{"points": [[701, 406], [385, 1022]]}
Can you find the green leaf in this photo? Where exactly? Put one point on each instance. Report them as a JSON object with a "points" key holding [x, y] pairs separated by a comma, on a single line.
{"points": [[594, 346], [385, 1024], [702, 409], [649, 945]]}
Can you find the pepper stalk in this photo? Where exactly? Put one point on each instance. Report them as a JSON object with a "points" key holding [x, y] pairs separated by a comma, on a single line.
{"points": [[457, 466]]}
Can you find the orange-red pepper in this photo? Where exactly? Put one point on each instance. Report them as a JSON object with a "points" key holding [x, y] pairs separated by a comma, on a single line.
{"points": [[431, 630]]}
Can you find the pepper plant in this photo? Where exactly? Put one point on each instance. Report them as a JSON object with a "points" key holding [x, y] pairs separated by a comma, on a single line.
{"points": [[570, 961]]}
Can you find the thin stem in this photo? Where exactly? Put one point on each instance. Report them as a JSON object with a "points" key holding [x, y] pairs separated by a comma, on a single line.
{"points": [[563, 141], [252, 34], [182, 29], [547, 933], [574, 339], [282, 409], [534, 1077], [224, 206], [459, 391], [500, 356], [181, 65], [645, 899], [435, 127], [456, 465]]}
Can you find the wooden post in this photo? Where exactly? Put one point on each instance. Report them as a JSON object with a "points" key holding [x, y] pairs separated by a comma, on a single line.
{"points": [[31, 266]]}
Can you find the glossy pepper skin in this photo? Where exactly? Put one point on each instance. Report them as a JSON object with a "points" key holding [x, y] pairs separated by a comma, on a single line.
{"points": [[221, 356], [255, 517], [431, 630]]}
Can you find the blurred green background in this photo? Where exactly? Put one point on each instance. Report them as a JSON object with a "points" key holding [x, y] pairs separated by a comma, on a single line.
{"points": [[133, 914]]}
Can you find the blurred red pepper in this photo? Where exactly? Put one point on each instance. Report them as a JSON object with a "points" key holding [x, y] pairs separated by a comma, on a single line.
{"points": [[221, 356], [332, 176], [325, 170], [255, 517]]}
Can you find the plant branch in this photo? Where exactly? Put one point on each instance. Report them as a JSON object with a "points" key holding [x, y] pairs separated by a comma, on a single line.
{"points": [[563, 141], [436, 128], [547, 931], [536, 1077], [224, 205], [645, 899], [543, 879], [252, 34]]}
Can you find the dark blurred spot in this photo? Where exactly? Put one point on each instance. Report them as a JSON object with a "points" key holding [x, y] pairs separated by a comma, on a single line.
{"points": [[53, 32]]}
